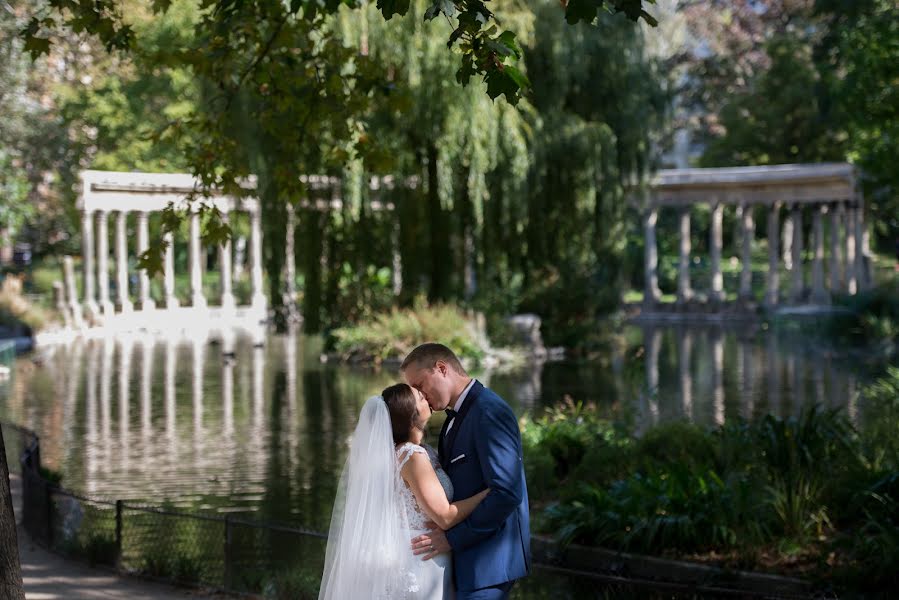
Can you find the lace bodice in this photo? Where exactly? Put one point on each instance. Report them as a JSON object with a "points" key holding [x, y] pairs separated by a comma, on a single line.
{"points": [[417, 518]]}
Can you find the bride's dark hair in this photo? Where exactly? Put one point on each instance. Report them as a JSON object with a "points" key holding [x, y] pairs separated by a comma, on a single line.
{"points": [[401, 404]]}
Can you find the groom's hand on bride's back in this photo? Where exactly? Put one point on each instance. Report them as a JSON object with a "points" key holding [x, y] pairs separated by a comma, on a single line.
{"points": [[428, 545]]}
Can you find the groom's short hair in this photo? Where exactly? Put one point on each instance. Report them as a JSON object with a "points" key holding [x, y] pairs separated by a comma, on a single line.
{"points": [[426, 356]]}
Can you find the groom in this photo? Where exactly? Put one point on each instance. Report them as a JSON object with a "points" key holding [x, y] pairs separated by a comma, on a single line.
{"points": [[480, 447]]}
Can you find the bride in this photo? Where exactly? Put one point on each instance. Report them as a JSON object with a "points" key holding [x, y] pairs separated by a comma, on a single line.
{"points": [[390, 488]]}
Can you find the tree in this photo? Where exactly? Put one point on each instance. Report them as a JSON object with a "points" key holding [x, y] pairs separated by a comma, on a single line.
{"points": [[10, 571]]}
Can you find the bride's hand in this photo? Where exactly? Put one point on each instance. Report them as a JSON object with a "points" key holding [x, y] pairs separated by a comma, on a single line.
{"points": [[430, 544]]}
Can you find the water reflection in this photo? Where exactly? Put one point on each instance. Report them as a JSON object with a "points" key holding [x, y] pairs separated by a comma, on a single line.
{"points": [[235, 425]]}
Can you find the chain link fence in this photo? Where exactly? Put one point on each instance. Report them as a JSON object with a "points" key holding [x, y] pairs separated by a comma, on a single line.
{"points": [[196, 549]]}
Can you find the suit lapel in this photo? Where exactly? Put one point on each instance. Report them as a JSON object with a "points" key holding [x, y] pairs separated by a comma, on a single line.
{"points": [[450, 439]]}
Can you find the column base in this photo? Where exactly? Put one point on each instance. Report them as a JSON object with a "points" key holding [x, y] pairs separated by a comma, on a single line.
{"points": [[148, 305], [228, 303], [259, 302], [172, 302], [198, 301], [126, 307], [108, 308]]}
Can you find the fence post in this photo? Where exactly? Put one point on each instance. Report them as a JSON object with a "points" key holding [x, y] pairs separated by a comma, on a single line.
{"points": [[227, 553], [119, 505]]}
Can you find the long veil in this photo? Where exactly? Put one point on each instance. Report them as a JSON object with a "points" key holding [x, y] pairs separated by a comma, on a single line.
{"points": [[369, 551]]}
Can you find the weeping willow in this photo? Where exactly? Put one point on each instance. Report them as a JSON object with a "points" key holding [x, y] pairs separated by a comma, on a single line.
{"points": [[511, 208]]}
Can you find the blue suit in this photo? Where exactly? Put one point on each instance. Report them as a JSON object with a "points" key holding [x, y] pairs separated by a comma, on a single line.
{"points": [[483, 450]]}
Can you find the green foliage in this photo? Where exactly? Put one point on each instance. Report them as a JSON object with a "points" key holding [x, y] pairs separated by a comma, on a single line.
{"points": [[796, 488], [395, 334]]}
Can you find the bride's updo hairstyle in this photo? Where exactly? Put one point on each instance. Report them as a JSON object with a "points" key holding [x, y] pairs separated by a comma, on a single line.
{"points": [[401, 404]]}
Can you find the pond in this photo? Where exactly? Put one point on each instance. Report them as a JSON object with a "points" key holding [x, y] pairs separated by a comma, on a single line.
{"points": [[263, 432]]}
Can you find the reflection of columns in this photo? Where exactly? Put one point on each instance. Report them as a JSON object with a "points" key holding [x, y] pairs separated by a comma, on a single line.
{"points": [[653, 340], [106, 400], [819, 293], [228, 397], [258, 386], [121, 262], [748, 231], [718, 375], [651, 292], [197, 299], [798, 382], [851, 272], [143, 242], [685, 376], [715, 243], [146, 391], [225, 271], [197, 355], [798, 285], [773, 292], [773, 372], [684, 293], [125, 348], [171, 357], [259, 301], [103, 263], [169, 271], [745, 353], [836, 272], [88, 250], [91, 379]]}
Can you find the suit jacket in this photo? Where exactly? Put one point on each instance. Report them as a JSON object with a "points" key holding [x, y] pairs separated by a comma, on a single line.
{"points": [[483, 450]]}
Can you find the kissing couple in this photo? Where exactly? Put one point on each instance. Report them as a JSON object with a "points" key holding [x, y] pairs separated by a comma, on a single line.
{"points": [[412, 523]]}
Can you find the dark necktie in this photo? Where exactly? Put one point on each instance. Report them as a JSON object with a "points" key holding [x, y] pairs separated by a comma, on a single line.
{"points": [[450, 413]]}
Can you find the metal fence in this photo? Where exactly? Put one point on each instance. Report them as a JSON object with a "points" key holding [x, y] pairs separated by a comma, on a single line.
{"points": [[196, 549]]}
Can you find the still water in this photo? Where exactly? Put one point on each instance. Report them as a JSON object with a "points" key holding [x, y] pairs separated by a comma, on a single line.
{"points": [[264, 432]]}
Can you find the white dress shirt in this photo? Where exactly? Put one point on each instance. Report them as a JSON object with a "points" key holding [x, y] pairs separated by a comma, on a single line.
{"points": [[459, 402]]}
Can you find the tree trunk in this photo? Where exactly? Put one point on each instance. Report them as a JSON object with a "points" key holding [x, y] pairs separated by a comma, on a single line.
{"points": [[441, 256], [10, 571]]}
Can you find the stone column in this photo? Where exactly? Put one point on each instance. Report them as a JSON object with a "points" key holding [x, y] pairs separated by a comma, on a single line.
{"points": [[851, 272], [259, 302], [651, 293], [290, 267], [788, 236], [197, 299], [143, 242], [68, 275], [228, 303], [836, 271], [861, 271], [121, 262], [169, 272], [798, 284], [88, 249], [773, 292], [715, 244], [819, 292], [684, 292], [103, 263], [748, 231]]}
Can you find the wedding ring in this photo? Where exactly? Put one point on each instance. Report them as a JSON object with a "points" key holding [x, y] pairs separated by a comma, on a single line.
{"points": [[432, 547]]}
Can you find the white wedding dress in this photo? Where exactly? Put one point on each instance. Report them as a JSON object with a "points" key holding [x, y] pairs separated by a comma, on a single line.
{"points": [[375, 517], [436, 575]]}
